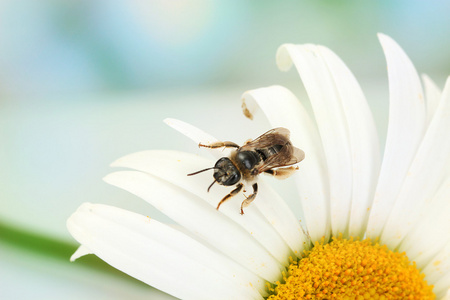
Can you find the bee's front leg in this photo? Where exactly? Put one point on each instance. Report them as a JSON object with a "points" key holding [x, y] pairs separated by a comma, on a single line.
{"points": [[231, 194], [219, 144], [250, 198]]}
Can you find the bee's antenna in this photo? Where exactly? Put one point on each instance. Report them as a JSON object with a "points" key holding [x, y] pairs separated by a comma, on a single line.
{"points": [[211, 185], [195, 173]]}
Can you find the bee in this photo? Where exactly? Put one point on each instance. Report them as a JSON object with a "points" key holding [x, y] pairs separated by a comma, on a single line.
{"points": [[271, 153]]}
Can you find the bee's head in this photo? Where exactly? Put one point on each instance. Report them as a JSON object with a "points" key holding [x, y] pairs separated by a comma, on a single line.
{"points": [[225, 172]]}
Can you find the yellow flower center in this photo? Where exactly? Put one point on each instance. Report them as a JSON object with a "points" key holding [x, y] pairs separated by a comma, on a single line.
{"points": [[352, 269]]}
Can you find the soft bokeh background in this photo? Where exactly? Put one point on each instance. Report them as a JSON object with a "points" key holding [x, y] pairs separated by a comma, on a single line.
{"points": [[83, 83]]}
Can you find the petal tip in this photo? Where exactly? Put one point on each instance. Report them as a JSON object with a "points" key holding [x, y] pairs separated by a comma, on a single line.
{"points": [[387, 41], [381, 35], [81, 251], [283, 58], [168, 121], [109, 177]]}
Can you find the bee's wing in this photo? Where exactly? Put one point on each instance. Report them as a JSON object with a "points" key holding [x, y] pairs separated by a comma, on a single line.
{"points": [[297, 156], [287, 156], [276, 136]]}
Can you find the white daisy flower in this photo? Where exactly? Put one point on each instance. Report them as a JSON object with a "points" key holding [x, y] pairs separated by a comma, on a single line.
{"points": [[396, 209]]}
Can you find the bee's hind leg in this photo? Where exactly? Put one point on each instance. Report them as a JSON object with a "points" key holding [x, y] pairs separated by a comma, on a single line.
{"points": [[231, 194], [220, 145], [282, 173], [250, 198]]}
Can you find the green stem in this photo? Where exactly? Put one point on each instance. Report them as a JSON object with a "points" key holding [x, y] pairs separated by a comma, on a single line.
{"points": [[51, 248]]}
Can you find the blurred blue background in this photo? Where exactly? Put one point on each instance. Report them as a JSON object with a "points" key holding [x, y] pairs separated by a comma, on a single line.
{"points": [[85, 82], [77, 47]]}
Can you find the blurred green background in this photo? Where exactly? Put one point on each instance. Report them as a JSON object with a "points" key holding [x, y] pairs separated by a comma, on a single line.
{"points": [[83, 83]]}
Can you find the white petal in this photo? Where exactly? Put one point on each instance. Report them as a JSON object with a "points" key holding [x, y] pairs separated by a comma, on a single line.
{"points": [[283, 109], [430, 233], [427, 171], [331, 122], [437, 272], [441, 287], [274, 209], [81, 251], [193, 133], [195, 215], [407, 120], [172, 166], [155, 254], [363, 136], [433, 95], [190, 131]]}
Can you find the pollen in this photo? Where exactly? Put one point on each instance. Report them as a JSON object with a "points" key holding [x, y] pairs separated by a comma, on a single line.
{"points": [[352, 269]]}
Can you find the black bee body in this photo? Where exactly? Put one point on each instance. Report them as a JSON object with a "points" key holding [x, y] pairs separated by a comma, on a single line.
{"points": [[271, 150]]}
